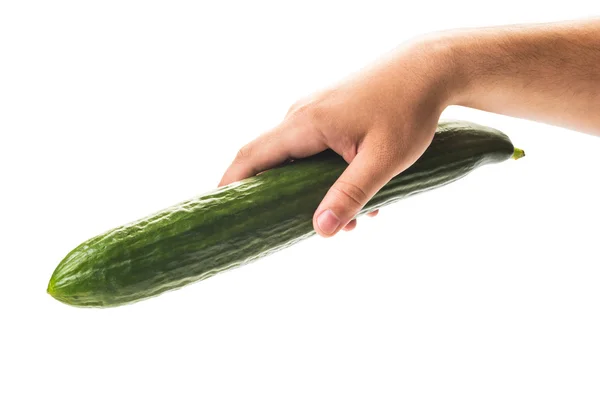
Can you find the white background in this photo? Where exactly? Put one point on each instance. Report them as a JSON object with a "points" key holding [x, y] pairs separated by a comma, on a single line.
{"points": [[486, 289]]}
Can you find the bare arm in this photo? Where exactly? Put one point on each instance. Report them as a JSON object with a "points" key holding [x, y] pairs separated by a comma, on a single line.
{"points": [[547, 72], [383, 118]]}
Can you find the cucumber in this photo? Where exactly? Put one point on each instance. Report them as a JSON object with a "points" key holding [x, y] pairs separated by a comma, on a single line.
{"points": [[246, 220]]}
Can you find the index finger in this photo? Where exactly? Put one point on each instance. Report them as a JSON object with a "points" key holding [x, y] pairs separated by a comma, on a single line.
{"points": [[272, 148]]}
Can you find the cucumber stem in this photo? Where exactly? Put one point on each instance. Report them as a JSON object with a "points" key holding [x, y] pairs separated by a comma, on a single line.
{"points": [[518, 153]]}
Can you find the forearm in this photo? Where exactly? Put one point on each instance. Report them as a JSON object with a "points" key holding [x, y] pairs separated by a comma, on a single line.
{"points": [[547, 72]]}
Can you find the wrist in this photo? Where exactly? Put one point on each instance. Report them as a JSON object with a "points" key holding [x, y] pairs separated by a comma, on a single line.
{"points": [[441, 61]]}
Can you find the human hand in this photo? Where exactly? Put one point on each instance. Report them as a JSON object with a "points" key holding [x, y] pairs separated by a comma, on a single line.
{"points": [[380, 121]]}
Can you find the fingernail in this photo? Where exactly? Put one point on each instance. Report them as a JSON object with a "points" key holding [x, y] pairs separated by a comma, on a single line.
{"points": [[328, 222]]}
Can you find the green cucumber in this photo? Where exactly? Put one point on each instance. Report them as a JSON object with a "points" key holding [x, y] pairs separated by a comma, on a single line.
{"points": [[244, 221]]}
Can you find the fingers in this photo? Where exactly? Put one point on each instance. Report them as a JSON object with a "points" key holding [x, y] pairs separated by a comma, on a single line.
{"points": [[262, 153], [271, 149], [365, 175], [350, 225]]}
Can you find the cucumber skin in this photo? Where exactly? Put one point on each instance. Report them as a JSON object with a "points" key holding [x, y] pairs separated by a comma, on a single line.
{"points": [[247, 220]]}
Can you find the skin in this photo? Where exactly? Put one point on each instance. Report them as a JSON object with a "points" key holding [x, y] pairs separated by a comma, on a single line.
{"points": [[383, 118]]}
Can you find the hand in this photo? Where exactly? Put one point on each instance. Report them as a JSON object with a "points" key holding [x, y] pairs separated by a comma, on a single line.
{"points": [[380, 121]]}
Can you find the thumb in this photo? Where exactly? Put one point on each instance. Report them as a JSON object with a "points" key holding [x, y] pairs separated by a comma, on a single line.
{"points": [[361, 180]]}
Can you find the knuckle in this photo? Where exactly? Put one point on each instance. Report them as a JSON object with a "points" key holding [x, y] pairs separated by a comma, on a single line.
{"points": [[243, 153], [350, 192], [307, 112], [295, 106]]}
